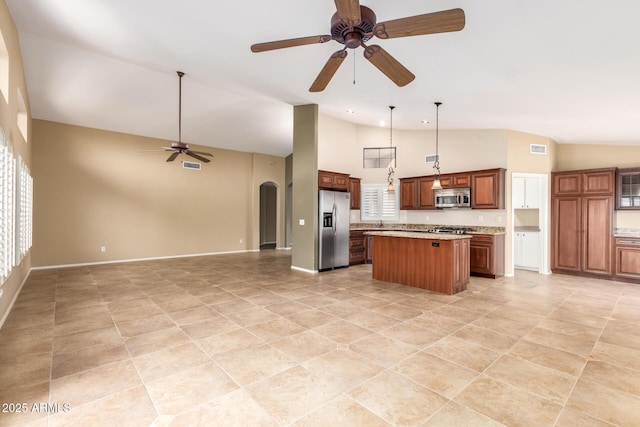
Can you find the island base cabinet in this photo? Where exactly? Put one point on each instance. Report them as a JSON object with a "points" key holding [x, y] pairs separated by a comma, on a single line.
{"points": [[436, 265]]}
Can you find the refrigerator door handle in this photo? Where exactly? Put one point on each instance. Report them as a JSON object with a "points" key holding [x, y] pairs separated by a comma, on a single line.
{"points": [[335, 218]]}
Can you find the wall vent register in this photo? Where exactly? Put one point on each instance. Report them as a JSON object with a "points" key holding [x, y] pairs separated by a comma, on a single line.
{"points": [[191, 165]]}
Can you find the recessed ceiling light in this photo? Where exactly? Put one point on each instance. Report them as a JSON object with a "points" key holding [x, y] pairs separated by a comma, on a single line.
{"points": [[424, 122], [381, 123], [350, 111]]}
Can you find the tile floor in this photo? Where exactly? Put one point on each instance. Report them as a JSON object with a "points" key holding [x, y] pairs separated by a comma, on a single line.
{"points": [[242, 340]]}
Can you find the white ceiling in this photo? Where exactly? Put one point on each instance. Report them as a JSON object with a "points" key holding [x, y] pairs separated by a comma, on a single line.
{"points": [[568, 70]]}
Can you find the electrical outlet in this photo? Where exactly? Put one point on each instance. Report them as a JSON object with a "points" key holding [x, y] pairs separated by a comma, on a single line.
{"points": [[301, 221], [103, 249], [480, 218], [499, 219], [240, 240], [427, 218]]}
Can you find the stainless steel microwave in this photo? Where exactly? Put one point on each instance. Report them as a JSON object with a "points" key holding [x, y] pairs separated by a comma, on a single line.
{"points": [[453, 198]]}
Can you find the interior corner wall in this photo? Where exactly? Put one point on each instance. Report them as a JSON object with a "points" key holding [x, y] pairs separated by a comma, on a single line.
{"points": [[9, 124], [304, 254], [96, 189]]}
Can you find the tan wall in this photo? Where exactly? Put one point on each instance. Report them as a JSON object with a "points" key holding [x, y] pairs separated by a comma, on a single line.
{"points": [[8, 122], [266, 168], [94, 188]]}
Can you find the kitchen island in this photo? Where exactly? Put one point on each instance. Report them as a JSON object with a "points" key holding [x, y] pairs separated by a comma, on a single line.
{"points": [[436, 262]]}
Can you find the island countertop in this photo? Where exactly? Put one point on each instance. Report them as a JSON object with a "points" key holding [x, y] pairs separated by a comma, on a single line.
{"points": [[419, 235]]}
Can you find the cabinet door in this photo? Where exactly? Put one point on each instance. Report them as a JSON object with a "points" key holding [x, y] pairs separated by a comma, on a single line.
{"points": [[518, 193], [487, 189], [426, 196], [529, 243], [408, 193], [597, 214], [354, 189], [341, 182], [598, 182], [481, 258], [325, 180], [566, 184], [628, 258], [565, 235], [532, 193]]}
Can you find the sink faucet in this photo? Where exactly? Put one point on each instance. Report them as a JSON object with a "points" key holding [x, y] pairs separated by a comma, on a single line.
{"points": [[380, 224]]}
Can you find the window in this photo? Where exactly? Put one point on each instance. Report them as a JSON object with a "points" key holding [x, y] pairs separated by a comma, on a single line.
{"points": [[4, 69], [23, 118], [24, 210], [7, 207], [378, 157], [378, 204]]}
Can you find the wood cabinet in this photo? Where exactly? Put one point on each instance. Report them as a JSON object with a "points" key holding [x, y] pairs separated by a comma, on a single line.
{"points": [[357, 248], [526, 250], [333, 181], [456, 180], [426, 195], [526, 193], [487, 255], [582, 222], [628, 189], [487, 189], [627, 258], [354, 189], [408, 193]]}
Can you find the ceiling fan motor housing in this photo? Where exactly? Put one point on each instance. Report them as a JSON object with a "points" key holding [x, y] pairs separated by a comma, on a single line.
{"points": [[353, 36]]}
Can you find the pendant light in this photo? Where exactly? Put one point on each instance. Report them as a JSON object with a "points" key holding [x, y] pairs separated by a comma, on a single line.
{"points": [[436, 163], [390, 187]]}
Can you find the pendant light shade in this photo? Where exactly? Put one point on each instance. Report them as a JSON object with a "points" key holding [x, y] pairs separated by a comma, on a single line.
{"points": [[436, 164], [390, 187]]}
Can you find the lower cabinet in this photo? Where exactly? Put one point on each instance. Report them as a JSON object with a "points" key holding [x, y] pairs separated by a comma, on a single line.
{"points": [[526, 250], [357, 247], [487, 255], [627, 258]]}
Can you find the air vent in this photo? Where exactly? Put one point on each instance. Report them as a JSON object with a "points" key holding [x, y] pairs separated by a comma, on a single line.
{"points": [[537, 149], [432, 158], [191, 165]]}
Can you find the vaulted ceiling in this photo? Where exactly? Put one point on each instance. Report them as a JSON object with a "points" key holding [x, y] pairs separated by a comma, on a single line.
{"points": [[568, 70]]}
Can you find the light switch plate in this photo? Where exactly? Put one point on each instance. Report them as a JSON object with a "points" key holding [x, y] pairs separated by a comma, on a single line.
{"points": [[301, 221]]}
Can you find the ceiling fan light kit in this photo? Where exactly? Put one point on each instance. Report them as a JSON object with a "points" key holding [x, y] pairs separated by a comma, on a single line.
{"points": [[352, 25]]}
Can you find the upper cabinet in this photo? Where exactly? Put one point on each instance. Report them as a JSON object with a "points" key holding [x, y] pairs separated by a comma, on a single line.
{"points": [[487, 189], [628, 189], [333, 181], [408, 193], [591, 181], [526, 193], [354, 189]]}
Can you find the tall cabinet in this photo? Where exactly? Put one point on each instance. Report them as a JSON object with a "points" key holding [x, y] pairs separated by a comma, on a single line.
{"points": [[582, 221]]}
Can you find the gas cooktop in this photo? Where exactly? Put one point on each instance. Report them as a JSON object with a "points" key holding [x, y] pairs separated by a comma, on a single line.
{"points": [[449, 230]]}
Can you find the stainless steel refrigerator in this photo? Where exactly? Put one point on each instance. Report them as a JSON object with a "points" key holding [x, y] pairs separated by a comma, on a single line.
{"points": [[333, 233]]}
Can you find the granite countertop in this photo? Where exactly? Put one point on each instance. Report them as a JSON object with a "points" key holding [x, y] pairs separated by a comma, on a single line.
{"points": [[418, 235], [364, 226], [627, 232]]}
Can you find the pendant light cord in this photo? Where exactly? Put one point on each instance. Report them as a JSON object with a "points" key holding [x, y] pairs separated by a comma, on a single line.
{"points": [[436, 164]]}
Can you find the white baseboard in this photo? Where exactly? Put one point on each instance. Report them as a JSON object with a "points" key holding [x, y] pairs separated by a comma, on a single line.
{"points": [[13, 300], [304, 270], [49, 267]]}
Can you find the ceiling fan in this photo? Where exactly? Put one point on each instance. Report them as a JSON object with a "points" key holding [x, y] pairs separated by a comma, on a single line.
{"points": [[353, 25], [181, 147]]}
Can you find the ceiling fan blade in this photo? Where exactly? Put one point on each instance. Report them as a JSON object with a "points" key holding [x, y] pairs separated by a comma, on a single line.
{"points": [[327, 72], [388, 65], [430, 23], [173, 156], [195, 156], [281, 44], [202, 153], [349, 11]]}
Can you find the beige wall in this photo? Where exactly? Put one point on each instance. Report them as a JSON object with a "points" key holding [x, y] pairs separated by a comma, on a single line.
{"points": [[21, 147], [95, 188]]}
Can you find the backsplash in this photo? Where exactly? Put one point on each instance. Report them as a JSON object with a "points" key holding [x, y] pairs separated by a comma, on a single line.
{"points": [[450, 217]]}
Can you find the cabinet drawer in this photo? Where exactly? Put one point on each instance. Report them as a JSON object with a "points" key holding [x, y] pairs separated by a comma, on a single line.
{"points": [[628, 241], [482, 238], [357, 242]]}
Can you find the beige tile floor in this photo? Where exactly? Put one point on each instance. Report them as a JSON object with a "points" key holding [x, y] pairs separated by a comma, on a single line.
{"points": [[242, 340]]}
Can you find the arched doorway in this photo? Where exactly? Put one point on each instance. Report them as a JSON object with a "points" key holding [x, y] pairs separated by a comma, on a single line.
{"points": [[268, 215]]}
